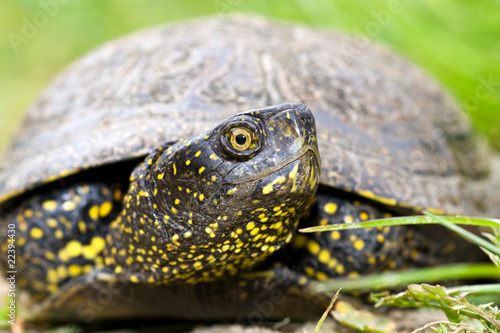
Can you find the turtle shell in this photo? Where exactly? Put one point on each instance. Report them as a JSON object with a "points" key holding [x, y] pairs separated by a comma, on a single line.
{"points": [[386, 131]]}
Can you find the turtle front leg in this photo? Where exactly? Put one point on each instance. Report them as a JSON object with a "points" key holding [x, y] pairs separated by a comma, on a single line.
{"points": [[348, 252], [60, 234]]}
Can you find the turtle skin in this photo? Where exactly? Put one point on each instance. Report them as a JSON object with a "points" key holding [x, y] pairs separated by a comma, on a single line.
{"points": [[88, 219]]}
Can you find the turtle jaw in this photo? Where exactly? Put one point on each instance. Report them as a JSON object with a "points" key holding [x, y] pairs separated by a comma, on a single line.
{"points": [[311, 149], [289, 131]]}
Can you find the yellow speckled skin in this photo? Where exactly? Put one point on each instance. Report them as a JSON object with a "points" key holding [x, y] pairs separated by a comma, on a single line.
{"points": [[60, 234], [204, 210]]}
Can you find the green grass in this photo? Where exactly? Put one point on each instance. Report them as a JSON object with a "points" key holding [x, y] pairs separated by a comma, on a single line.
{"points": [[465, 306], [456, 41]]}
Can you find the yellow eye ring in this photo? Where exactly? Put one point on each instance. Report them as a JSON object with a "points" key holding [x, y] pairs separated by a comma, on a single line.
{"points": [[240, 138]]}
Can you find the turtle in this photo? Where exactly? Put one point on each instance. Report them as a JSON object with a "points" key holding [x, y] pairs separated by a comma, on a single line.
{"points": [[164, 174]]}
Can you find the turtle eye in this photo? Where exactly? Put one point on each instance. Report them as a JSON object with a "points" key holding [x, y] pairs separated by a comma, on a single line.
{"points": [[240, 138]]}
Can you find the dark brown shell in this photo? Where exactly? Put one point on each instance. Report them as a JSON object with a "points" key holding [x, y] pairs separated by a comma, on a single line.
{"points": [[386, 131]]}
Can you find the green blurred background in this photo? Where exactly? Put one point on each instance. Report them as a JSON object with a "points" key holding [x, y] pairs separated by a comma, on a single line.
{"points": [[458, 42]]}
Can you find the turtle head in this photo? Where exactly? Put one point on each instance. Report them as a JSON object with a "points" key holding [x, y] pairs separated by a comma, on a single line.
{"points": [[222, 201]]}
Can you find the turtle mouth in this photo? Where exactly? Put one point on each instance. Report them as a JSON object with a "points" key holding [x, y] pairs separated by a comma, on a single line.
{"points": [[310, 148]]}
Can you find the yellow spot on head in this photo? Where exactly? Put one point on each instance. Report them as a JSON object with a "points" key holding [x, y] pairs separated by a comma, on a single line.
{"points": [[177, 201], [197, 153], [254, 231], [201, 170], [250, 225], [201, 197], [293, 176], [36, 233], [188, 162], [269, 187], [160, 176], [134, 278]]}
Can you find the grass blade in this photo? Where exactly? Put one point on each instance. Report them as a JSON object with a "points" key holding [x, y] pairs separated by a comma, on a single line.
{"points": [[465, 233], [406, 220], [391, 280]]}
